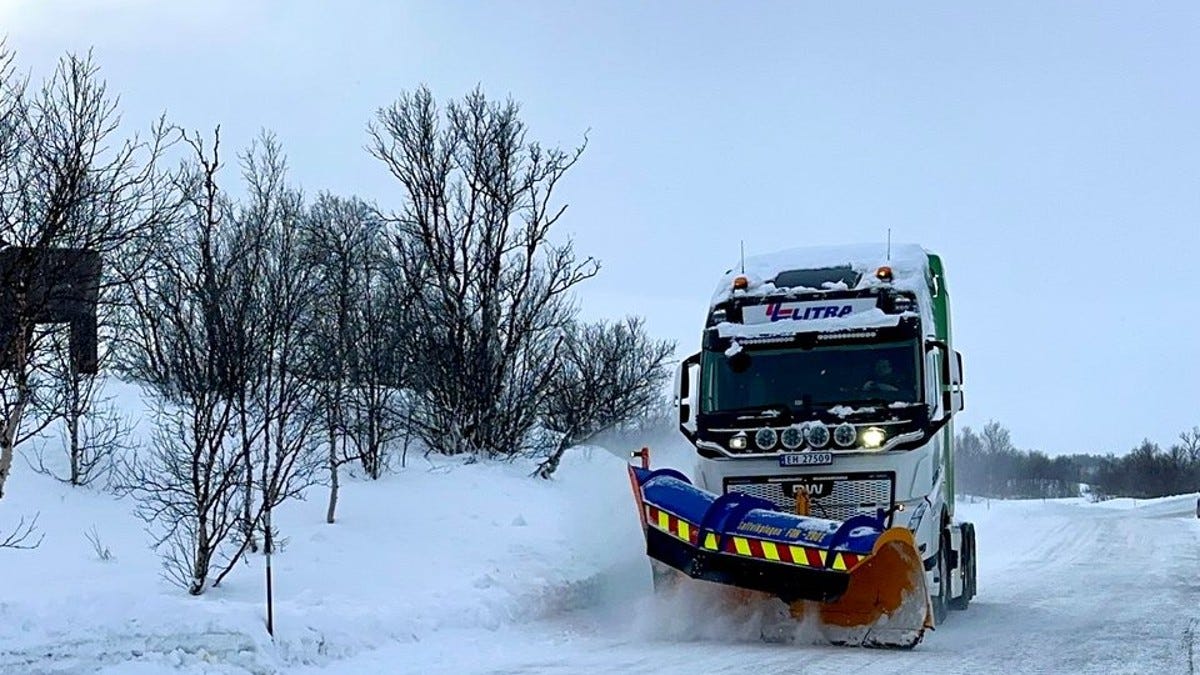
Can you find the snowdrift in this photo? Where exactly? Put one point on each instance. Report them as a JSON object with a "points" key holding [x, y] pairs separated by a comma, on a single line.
{"points": [[441, 545]]}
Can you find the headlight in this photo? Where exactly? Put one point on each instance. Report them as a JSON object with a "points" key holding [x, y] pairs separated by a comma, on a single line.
{"points": [[873, 438], [792, 437], [845, 434], [766, 438], [738, 441], [818, 435]]}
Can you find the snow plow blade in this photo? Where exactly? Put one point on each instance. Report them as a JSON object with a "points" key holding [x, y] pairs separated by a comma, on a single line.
{"points": [[868, 579]]}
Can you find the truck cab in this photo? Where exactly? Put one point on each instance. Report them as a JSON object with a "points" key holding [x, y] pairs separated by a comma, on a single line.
{"points": [[827, 383]]}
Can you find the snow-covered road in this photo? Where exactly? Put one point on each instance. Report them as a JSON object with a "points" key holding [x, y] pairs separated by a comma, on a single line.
{"points": [[1064, 588]]}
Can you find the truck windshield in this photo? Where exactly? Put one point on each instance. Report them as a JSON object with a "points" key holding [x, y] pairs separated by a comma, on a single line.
{"points": [[846, 374]]}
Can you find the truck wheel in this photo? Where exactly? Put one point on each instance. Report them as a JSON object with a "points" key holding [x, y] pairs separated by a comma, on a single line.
{"points": [[966, 561]]}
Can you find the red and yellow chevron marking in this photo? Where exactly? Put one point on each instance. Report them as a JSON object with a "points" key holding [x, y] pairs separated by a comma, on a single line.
{"points": [[802, 556], [673, 525]]}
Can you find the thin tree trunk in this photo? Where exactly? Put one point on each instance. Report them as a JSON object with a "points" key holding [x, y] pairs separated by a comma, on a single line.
{"points": [[407, 436], [247, 507], [373, 432], [73, 432], [547, 468], [203, 555], [6, 454], [8, 439], [333, 477]]}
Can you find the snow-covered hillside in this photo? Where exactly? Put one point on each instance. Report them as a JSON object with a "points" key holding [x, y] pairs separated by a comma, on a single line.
{"points": [[439, 546], [453, 568]]}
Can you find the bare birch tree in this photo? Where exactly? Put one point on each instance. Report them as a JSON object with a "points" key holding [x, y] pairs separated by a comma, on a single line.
{"points": [[378, 375], [282, 401], [67, 182], [359, 336], [339, 236], [474, 238], [188, 486]]}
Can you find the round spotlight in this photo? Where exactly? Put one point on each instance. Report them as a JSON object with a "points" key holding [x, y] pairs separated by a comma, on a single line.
{"points": [[766, 438], [738, 441], [873, 438], [792, 437], [845, 434], [818, 435]]}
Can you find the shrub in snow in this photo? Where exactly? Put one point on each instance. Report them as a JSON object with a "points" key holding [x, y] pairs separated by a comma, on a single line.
{"points": [[607, 374], [24, 535], [204, 341], [358, 333], [102, 552]]}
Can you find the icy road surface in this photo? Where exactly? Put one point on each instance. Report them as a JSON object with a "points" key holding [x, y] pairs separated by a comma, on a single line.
{"points": [[1065, 587]]}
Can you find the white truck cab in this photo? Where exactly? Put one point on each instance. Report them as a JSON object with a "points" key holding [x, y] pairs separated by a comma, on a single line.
{"points": [[827, 383]]}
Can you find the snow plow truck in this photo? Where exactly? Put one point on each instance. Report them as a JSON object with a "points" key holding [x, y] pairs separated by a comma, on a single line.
{"points": [[821, 411]]}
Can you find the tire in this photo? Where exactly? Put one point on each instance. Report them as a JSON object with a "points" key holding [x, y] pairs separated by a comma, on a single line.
{"points": [[967, 562]]}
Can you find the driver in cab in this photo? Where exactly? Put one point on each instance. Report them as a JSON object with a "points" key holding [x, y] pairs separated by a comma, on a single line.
{"points": [[884, 378]]}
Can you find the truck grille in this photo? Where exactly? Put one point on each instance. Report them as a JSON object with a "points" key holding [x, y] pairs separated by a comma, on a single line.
{"points": [[832, 496]]}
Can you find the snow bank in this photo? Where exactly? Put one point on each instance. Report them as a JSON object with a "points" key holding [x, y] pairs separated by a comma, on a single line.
{"points": [[441, 546], [1176, 505]]}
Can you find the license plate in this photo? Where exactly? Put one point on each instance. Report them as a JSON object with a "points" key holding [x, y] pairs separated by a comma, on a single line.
{"points": [[806, 458]]}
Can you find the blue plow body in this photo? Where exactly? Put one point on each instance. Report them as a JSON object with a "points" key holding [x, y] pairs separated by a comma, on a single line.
{"points": [[868, 579], [744, 541]]}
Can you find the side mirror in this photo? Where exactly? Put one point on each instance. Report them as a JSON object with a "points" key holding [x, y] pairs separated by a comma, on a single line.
{"points": [[956, 382], [685, 396], [951, 377]]}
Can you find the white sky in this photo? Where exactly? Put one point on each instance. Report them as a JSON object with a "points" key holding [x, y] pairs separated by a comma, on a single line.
{"points": [[1048, 150]]}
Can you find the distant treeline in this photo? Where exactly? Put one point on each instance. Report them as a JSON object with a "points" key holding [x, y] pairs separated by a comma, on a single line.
{"points": [[988, 465]]}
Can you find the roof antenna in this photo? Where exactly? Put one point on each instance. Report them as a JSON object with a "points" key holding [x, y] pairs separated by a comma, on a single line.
{"points": [[889, 245], [742, 245]]}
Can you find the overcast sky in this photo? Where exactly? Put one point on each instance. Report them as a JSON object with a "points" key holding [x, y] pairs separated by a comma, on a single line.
{"points": [[1049, 151]]}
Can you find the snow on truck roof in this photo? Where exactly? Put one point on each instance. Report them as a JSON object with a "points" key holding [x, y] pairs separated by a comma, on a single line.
{"points": [[908, 262], [776, 274]]}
